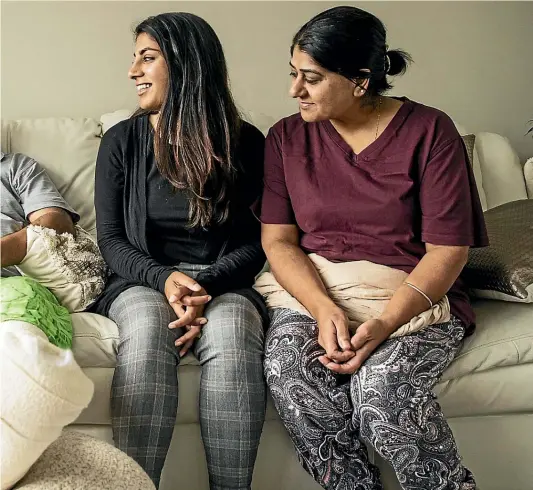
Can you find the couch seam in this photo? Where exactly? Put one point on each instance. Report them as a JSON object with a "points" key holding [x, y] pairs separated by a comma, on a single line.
{"points": [[496, 342]]}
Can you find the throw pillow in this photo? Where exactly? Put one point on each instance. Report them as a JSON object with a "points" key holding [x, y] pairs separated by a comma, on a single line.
{"points": [[470, 142], [71, 267], [504, 269], [43, 390]]}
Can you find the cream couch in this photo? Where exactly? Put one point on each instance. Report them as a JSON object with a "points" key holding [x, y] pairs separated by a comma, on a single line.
{"points": [[487, 392]]}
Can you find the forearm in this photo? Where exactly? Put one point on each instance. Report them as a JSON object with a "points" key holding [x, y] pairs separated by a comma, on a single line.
{"points": [[13, 248], [297, 275], [235, 270], [14, 245], [434, 275], [53, 218], [130, 263]]}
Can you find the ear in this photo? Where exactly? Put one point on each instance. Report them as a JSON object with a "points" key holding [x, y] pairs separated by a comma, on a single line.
{"points": [[361, 85]]}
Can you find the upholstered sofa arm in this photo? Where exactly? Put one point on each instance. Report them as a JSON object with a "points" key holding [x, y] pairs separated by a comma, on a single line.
{"points": [[528, 176]]}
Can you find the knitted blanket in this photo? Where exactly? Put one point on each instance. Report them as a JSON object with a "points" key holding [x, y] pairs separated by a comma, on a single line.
{"points": [[361, 288], [22, 298]]}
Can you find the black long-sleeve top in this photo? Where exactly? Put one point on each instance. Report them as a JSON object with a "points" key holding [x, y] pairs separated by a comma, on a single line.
{"points": [[142, 221]]}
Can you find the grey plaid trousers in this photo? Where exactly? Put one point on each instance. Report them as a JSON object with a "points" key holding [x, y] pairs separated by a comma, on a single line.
{"points": [[144, 395], [388, 403]]}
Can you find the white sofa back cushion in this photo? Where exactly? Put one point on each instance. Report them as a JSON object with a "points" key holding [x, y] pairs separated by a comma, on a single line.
{"points": [[67, 149], [503, 174]]}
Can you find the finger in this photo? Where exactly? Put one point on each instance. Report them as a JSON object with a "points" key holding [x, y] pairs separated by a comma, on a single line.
{"points": [[329, 339], [340, 356], [353, 365], [190, 283], [325, 360], [343, 334], [178, 309], [189, 300], [173, 299], [360, 338], [199, 321], [186, 347], [190, 335], [186, 319], [178, 293]]}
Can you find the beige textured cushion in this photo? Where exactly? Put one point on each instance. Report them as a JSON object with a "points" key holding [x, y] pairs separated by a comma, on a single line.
{"points": [[71, 267], [67, 149], [470, 141], [80, 462], [504, 270]]}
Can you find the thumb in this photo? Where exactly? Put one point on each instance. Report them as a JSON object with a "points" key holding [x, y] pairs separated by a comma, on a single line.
{"points": [[173, 298], [191, 284]]}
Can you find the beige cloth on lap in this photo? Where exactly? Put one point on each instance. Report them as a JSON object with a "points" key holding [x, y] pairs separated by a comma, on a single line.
{"points": [[80, 462], [42, 390], [361, 288]]}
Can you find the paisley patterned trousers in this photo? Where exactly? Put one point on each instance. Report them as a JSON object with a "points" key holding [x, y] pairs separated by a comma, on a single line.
{"points": [[388, 404]]}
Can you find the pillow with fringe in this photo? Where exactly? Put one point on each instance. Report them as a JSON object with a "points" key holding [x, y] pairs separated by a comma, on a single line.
{"points": [[70, 266]]}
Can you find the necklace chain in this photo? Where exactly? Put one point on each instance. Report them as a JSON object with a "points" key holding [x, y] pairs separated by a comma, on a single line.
{"points": [[379, 115]]}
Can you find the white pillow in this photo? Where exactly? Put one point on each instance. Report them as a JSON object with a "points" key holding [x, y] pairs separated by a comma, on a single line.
{"points": [[72, 268], [43, 390], [503, 175], [66, 149], [111, 118]]}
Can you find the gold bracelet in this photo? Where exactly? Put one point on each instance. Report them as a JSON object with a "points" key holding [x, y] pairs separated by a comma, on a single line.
{"points": [[421, 292]]}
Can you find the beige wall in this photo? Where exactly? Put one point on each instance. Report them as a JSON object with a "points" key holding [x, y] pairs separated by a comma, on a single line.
{"points": [[473, 59]]}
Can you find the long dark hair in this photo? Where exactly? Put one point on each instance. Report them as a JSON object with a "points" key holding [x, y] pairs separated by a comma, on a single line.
{"points": [[348, 40], [199, 125]]}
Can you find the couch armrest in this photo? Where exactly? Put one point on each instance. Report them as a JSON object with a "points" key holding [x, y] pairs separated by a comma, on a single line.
{"points": [[528, 176]]}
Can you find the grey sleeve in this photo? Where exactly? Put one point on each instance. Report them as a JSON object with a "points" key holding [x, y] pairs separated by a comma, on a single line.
{"points": [[35, 188]]}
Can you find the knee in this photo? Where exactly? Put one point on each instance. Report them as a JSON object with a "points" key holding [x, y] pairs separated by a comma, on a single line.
{"points": [[380, 398], [234, 325], [143, 317]]}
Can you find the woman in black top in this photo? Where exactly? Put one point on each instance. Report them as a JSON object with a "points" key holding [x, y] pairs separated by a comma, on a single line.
{"points": [[174, 189]]}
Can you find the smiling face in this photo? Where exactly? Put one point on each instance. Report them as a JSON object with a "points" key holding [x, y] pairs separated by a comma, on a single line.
{"points": [[149, 71], [321, 94]]}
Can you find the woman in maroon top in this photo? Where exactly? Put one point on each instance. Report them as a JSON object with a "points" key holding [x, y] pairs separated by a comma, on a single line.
{"points": [[360, 176]]}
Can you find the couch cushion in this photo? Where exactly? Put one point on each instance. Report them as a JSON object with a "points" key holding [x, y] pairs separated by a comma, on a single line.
{"points": [[487, 377], [504, 337], [67, 149], [95, 341]]}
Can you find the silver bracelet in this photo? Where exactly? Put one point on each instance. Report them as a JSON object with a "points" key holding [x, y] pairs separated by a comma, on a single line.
{"points": [[421, 292]]}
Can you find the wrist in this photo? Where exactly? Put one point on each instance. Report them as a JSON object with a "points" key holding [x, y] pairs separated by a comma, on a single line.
{"points": [[389, 324], [164, 281], [323, 306]]}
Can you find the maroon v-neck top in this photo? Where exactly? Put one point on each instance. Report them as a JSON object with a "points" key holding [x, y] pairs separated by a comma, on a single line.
{"points": [[412, 185]]}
